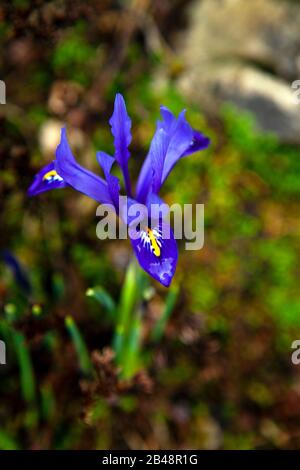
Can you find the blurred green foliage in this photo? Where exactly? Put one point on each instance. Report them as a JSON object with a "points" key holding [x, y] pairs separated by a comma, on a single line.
{"points": [[71, 52]]}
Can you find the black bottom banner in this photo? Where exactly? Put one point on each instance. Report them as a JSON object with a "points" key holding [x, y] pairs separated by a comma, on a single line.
{"points": [[135, 459]]}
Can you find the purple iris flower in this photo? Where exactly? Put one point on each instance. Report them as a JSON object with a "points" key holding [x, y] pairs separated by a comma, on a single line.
{"points": [[174, 138]]}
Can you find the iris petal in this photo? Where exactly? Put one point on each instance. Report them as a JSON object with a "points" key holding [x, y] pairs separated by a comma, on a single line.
{"points": [[156, 252], [45, 180], [199, 142], [79, 178], [120, 127], [158, 152], [178, 139], [144, 180], [106, 162], [171, 139], [157, 208]]}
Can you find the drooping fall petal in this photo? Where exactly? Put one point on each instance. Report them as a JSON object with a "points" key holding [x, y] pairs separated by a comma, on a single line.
{"points": [[81, 179], [45, 180], [156, 252]]}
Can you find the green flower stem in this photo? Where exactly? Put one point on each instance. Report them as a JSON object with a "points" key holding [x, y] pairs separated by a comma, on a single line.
{"points": [[131, 360], [160, 326], [128, 323]]}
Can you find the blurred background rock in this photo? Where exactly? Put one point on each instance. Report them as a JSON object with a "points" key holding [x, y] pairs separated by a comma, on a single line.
{"points": [[247, 53]]}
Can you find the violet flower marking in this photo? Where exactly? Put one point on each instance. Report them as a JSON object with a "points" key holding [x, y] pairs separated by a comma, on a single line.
{"points": [[174, 138]]}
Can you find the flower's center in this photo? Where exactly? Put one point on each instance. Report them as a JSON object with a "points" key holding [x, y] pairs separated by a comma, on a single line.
{"points": [[155, 245], [51, 176]]}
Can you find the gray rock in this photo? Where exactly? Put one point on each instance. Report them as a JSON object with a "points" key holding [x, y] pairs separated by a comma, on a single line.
{"points": [[248, 53]]}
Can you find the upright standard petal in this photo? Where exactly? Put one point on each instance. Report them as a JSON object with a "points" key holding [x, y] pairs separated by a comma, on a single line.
{"points": [[199, 142], [173, 127], [106, 162], [47, 178], [181, 140], [143, 185], [158, 152], [120, 124], [157, 208], [156, 251], [79, 178]]}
